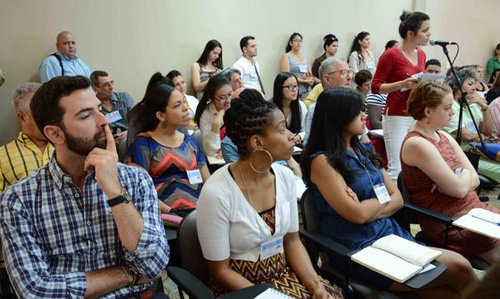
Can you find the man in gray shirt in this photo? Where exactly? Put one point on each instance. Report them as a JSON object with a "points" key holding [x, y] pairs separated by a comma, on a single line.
{"points": [[116, 105]]}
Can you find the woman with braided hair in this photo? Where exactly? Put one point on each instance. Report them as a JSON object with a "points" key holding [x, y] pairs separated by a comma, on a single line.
{"points": [[255, 198]]}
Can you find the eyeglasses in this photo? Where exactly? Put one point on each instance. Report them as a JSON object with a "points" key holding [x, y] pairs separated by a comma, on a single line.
{"points": [[343, 73], [224, 98], [291, 87], [107, 84], [299, 41]]}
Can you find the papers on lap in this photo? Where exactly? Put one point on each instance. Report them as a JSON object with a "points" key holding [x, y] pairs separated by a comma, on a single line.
{"points": [[272, 293], [396, 257], [480, 221]]}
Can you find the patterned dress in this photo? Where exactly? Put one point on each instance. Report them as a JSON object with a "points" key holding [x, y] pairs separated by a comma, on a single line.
{"points": [[274, 271], [168, 167], [420, 185]]}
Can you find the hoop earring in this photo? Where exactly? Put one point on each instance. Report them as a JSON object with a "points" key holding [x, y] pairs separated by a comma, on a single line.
{"points": [[251, 164]]}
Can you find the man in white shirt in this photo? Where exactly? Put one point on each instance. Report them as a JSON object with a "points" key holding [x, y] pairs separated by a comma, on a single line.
{"points": [[248, 66]]}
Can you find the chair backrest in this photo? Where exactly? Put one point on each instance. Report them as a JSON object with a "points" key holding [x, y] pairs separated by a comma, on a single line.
{"points": [[122, 149], [310, 216], [191, 255], [403, 188], [197, 136]]}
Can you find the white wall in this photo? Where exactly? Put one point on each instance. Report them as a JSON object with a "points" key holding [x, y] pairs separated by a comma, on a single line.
{"points": [[132, 39]]}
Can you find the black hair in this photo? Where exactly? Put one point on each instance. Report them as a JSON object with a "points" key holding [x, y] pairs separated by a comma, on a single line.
{"points": [[390, 44], [295, 123], [290, 40], [213, 84], [355, 43], [244, 41], [172, 74], [142, 117], [328, 40], [493, 75], [249, 115], [94, 77], [335, 109], [212, 44], [432, 62], [411, 22], [45, 104], [362, 76]]}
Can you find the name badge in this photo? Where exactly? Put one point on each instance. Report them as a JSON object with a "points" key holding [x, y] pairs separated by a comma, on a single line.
{"points": [[303, 68], [458, 171], [271, 248], [114, 116], [470, 126], [382, 194], [194, 176], [370, 65]]}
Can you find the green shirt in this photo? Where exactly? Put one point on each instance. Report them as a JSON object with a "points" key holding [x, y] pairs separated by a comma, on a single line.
{"points": [[466, 121]]}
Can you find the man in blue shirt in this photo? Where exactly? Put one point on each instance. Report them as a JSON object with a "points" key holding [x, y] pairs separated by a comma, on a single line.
{"points": [[115, 104], [64, 62], [84, 225]]}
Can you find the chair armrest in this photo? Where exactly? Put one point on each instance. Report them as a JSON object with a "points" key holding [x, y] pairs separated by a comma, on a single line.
{"points": [[325, 243], [189, 283], [440, 217]]}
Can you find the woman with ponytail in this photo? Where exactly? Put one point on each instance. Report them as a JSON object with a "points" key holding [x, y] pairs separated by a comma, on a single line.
{"points": [[393, 76], [361, 57], [331, 46], [174, 160]]}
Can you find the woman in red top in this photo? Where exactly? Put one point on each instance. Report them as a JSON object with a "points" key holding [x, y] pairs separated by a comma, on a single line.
{"points": [[393, 76]]}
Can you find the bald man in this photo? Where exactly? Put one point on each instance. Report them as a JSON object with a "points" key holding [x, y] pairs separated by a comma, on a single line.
{"points": [[64, 62]]}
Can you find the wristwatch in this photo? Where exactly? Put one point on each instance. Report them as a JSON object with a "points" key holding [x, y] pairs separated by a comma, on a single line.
{"points": [[124, 197]]}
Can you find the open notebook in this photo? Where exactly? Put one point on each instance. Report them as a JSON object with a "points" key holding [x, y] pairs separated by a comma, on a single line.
{"points": [[396, 258], [273, 294], [480, 221]]}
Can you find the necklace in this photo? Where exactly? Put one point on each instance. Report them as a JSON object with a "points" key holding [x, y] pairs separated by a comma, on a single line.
{"points": [[246, 186]]}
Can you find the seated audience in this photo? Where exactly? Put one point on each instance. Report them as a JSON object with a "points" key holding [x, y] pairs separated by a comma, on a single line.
{"points": [[234, 76], [209, 64], [116, 105], [30, 150], [361, 58], [293, 61], [494, 91], [247, 65], [174, 160], [363, 80], [210, 112], [256, 199], [439, 175], [178, 82], [286, 98], [343, 174], [64, 61], [481, 87], [83, 225], [493, 62], [375, 104], [433, 66], [331, 46], [481, 114], [495, 118], [493, 77]]}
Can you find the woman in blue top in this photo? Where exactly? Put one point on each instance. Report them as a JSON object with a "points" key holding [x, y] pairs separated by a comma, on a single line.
{"points": [[343, 175]]}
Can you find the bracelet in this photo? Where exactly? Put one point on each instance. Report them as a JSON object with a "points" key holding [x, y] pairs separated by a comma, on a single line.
{"points": [[485, 109], [130, 277], [135, 279]]}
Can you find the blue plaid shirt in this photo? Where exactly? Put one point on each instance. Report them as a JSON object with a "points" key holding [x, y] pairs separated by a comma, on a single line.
{"points": [[52, 233]]}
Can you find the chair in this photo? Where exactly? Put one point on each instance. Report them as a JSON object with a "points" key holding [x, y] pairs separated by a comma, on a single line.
{"points": [[122, 149], [193, 275], [410, 213], [318, 245]]}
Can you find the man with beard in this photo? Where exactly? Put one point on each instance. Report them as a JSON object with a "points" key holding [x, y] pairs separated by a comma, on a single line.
{"points": [[84, 225]]}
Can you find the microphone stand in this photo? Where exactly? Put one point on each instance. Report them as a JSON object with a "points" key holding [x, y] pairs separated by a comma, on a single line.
{"points": [[463, 102]]}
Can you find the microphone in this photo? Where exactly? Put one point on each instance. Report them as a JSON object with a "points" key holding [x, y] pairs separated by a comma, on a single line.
{"points": [[442, 43]]}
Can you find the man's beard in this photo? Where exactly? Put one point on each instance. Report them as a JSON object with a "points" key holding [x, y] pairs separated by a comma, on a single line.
{"points": [[83, 146]]}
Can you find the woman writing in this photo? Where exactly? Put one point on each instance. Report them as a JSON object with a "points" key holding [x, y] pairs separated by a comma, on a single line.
{"points": [[209, 64], [255, 198], [174, 160]]}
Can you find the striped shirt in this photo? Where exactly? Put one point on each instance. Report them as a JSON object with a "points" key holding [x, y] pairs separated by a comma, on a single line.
{"points": [[495, 117], [52, 232], [20, 158]]}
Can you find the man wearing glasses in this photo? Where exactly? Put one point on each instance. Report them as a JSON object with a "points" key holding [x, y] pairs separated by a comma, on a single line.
{"points": [[333, 72], [64, 62], [115, 105]]}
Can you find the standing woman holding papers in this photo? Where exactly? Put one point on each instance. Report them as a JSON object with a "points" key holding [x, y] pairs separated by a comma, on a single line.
{"points": [[438, 174], [393, 76], [247, 214], [355, 196]]}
